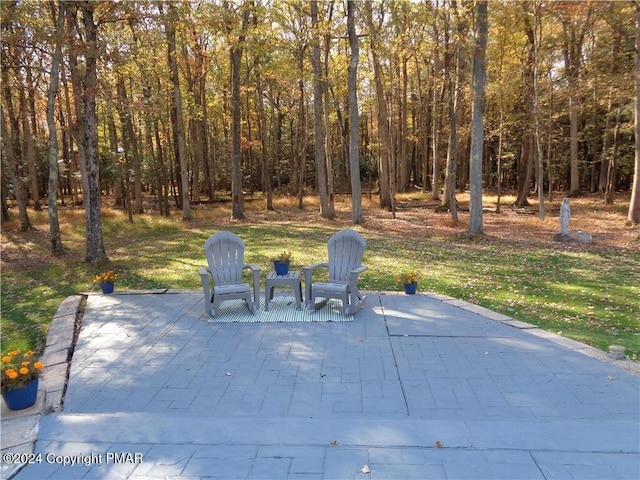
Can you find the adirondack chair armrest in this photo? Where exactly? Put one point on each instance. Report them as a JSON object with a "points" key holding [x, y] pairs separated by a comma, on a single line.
{"points": [[205, 274], [359, 270], [308, 278], [255, 269], [308, 271], [353, 276]]}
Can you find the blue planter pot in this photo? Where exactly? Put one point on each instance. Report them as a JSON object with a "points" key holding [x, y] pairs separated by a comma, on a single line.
{"points": [[22, 397], [282, 268], [107, 287], [410, 288]]}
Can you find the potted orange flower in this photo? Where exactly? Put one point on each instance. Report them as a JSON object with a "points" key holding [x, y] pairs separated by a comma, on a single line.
{"points": [[281, 262], [107, 280], [409, 280], [20, 373]]}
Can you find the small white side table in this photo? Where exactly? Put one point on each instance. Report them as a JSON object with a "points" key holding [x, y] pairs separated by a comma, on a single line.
{"points": [[291, 279]]}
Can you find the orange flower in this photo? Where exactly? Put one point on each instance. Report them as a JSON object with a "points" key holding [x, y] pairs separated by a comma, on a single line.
{"points": [[19, 368], [410, 276], [108, 276]]}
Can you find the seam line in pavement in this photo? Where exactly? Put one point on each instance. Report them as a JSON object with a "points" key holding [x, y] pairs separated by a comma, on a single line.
{"points": [[395, 360]]}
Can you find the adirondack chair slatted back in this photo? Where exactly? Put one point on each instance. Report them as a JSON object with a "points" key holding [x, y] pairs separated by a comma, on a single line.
{"points": [[346, 249], [225, 256]]}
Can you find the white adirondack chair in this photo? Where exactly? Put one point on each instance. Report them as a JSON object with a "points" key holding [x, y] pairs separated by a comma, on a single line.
{"points": [[346, 249], [225, 256]]}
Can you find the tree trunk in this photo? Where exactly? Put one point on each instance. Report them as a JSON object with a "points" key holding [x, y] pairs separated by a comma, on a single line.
{"points": [[119, 200], [18, 191], [300, 141], [52, 190], [331, 212], [612, 175], [634, 206], [525, 169], [536, 108], [527, 148], [235, 57], [385, 177], [131, 155], [10, 146], [574, 184], [70, 134], [574, 32], [477, 131], [236, 147], [403, 160], [455, 112], [604, 155], [262, 128], [436, 119], [177, 117], [163, 181], [85, 87], [29, 152], [320, 154], [437, 99], [354, 119]]}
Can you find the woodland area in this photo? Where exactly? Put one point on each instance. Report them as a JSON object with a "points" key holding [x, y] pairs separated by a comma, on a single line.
{"points": [[188, 102]]}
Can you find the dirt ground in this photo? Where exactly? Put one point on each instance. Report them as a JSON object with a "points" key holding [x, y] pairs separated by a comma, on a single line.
{"points": [[416, 215]]}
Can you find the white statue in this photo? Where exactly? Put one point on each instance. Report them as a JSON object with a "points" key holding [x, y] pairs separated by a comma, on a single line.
{"points": [[565, 216]]}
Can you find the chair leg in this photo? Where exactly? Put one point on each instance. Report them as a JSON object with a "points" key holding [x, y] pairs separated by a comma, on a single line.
{"points": [[256, 290], [208, 294], [214, 307], [357, 301], [250, 303]]}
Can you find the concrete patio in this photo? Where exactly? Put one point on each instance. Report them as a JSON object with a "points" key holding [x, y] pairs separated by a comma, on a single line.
{"points": [[414, 387]]}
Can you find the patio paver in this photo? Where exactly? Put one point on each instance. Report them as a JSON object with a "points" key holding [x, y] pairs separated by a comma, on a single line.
{"points": [[414, 387]]}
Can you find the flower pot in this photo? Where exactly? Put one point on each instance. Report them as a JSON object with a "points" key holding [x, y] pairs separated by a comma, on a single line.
{"points": [[410, 288], [22, 397], [107, 287], [282, 268]]}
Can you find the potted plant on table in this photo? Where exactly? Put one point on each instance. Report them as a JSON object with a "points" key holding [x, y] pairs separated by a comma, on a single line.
{"points": [[409, 280], [107, 280], [281, 262], [20, 373]]}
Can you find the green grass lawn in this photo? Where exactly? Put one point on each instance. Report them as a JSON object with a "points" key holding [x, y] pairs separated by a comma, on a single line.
{"points": [[590, 295]]}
